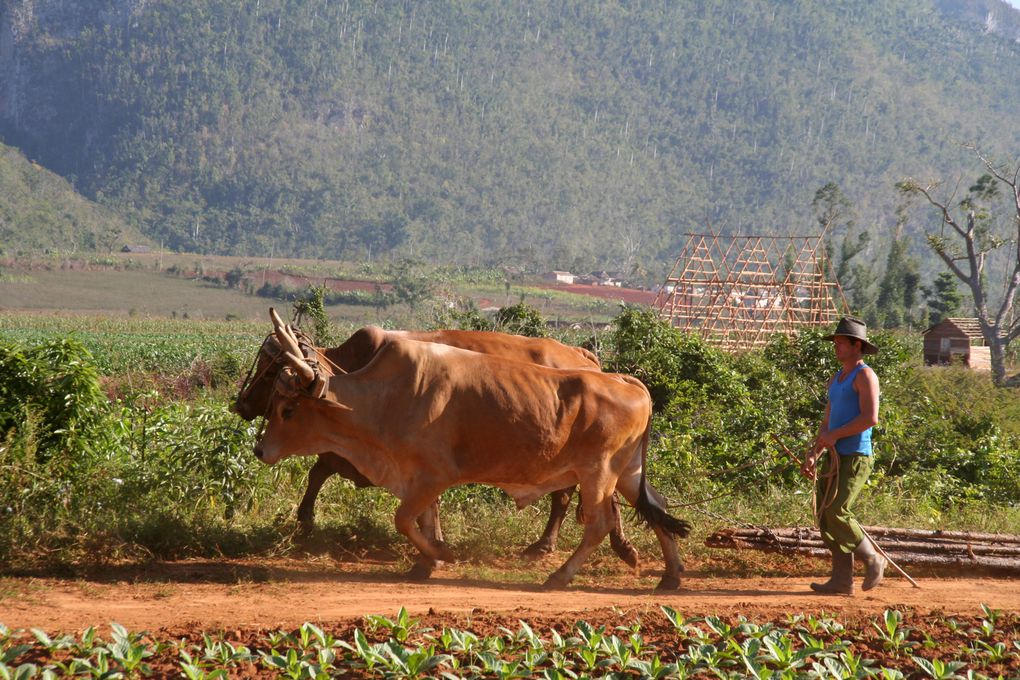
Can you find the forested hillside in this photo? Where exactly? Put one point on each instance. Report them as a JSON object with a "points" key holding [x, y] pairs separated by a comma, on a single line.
{"points": [[40, 211], [571, 134]]}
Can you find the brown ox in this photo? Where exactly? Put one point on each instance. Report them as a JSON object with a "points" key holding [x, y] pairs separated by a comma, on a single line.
{"points": [[422, 417], [358, 350]]}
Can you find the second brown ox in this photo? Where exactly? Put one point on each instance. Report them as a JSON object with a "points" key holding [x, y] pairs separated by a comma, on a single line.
{"points": [[422, 417]]}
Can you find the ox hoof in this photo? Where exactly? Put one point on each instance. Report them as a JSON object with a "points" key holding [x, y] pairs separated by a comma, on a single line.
{"points": [[444, 552], [668, 583], [420, 571], [628, 554], [556, 582], [537, 549]]}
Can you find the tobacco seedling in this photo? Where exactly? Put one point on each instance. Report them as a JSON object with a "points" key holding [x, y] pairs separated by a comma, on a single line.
{"points": [[992, 653], [893, 633], [399, 629], [656, 669], [939, 669], [129, 650]]}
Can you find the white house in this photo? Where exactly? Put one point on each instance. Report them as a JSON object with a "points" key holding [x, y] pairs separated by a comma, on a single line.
{"points": [[560, 277]]}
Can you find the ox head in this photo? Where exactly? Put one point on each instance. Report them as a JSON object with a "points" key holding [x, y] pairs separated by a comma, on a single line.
{"points": [[253, 398], [291, 405]]}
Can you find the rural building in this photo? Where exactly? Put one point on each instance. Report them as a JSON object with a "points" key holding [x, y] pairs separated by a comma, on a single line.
{"points": [[560, 277], [136, 249], [604, 278], [957, 340]]}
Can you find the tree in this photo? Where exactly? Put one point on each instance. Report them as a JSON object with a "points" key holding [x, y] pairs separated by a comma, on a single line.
{"points": [[520, 319], [234, 277], [411, 284], [969, 243], [897, 291], [944, 299], [835, 213], [312, 305]]}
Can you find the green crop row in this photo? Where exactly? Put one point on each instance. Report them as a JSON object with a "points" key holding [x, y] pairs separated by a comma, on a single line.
{"points": [[119, 345], [671, 646]]}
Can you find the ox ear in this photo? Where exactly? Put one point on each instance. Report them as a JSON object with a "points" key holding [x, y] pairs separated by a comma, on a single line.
{"points": [[301, 367]]}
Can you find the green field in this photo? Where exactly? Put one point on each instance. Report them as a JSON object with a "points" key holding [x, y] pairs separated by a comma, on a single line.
{"points": [[173, 287]]}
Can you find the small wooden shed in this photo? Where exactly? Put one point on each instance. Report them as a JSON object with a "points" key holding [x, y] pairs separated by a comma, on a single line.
{"points": [[957, 340]]}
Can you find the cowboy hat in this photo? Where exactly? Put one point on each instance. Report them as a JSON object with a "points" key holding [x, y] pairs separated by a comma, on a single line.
{"points": [[851, 327]]}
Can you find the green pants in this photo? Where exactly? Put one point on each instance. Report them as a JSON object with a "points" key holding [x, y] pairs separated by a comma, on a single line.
{"points": [[840, 529]]}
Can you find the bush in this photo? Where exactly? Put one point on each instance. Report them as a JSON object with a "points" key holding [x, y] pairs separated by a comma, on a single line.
{"points": [[520, 319]]}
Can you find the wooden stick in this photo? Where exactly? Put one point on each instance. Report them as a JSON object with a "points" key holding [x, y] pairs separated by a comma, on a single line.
{"points": [[790, 453], [889, 559]]}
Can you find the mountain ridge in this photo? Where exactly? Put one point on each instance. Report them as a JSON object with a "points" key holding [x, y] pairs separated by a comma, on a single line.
{"points": [[584, 135]]}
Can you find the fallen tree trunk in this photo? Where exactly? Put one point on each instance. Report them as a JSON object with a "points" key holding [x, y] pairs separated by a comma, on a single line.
{"points": [[959, 551], [891, 542], [892, 545]]}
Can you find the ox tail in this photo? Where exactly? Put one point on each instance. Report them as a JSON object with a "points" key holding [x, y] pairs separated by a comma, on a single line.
{"points": [[648, 507]]}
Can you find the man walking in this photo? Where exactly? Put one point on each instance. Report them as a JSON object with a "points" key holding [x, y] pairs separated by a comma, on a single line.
{"points": [[845, 435]]}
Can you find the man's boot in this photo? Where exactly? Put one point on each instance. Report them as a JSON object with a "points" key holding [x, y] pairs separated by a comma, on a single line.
{"points": [[874, 563], [841, 582]]}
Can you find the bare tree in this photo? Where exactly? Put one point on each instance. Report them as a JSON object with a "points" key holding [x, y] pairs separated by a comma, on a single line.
{"points": [[966, 247]]}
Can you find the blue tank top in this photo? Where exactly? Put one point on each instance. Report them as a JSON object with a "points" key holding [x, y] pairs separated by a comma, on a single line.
{"points": [[844, 406]]}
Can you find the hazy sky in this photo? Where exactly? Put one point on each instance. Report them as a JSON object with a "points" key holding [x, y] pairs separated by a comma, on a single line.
{"points": [[1015, 3]]}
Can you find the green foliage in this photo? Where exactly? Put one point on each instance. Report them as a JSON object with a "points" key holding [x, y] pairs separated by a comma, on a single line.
{"points": [[943, 298], [161, 467], [520, 319], [412, 284], [312, 305], [54, 390], [899, 287]]}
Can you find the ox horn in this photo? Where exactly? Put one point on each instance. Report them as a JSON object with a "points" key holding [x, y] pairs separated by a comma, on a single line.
{"points": [[291, 349]]}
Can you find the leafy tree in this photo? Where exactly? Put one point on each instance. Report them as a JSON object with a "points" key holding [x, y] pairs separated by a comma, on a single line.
{"points": [[972, 239], [234, 277], [520, 319], [411, 283], [897, 292], [943, 298], [312, 305], [834, 214]]}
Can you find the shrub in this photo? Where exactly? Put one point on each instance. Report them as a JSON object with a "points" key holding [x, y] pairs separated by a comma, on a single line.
{"points": [[520, 319]]}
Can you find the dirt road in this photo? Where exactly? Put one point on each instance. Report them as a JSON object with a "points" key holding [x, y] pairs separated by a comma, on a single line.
{"points": [[285, 593]]}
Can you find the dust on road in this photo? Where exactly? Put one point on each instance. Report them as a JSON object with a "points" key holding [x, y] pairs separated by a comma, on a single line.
{"points": [[283, 593]]}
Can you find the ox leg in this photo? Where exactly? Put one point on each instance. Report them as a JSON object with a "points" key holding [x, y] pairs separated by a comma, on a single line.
{"points": [[410, 509], [559, 501], [598, 522], [624, 549], [630, 485], [429, 524], [317, 476]]}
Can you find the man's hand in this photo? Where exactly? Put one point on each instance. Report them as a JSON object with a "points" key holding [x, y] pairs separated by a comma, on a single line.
{"points": [[807, 468], [817, 449], [825, 440]]}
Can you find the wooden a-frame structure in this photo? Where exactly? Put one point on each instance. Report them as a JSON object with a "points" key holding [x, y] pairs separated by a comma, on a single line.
{"points": [[738, 291]]}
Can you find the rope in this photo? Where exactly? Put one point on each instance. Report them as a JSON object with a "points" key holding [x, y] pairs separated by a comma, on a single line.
{"points": [[831, 478], [248, 380]]}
